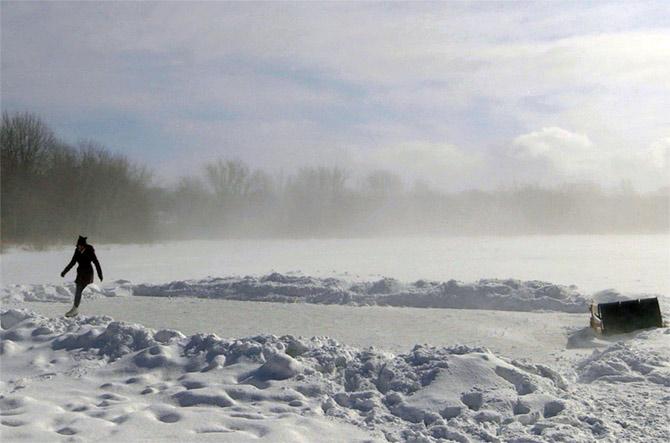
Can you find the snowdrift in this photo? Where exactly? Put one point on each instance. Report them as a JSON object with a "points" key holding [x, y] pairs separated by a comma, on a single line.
{"points": [[92, 377], [62, 293], [645, 359], [509, 295]]}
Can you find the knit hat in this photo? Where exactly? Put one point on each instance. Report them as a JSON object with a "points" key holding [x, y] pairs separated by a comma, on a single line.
{"points": [[81, 240]]}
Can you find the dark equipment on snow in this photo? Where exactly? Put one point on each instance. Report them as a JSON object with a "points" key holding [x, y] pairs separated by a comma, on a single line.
{"points": [[626, 316]]}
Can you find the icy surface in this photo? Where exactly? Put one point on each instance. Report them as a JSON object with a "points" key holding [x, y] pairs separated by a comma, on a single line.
{"points": [[509, 295]]}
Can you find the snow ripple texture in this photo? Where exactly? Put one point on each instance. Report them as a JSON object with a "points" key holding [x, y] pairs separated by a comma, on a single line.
{"points": [[153, 378], [508, 295]]}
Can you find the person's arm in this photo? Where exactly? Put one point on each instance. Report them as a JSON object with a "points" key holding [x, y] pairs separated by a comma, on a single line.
{"points": [[69, 266], [95, 261]]}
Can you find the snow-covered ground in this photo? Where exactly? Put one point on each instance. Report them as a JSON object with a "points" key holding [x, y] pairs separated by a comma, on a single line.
{"points": [[94, 378], [163, 352]]}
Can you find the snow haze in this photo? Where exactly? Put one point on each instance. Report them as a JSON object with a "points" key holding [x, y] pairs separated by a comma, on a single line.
{"points": [[632, 263]]}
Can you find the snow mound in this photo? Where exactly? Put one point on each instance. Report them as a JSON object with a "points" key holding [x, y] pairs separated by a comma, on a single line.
{"points": [[645, 359], [508, 295], [62, 293], [83, 374], [513, 295]]}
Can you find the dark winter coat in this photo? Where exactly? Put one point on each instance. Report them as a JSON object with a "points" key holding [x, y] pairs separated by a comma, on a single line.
{"points": [[85, 269]]}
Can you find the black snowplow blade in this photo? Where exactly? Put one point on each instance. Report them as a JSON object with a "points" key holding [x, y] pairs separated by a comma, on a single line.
{"points": [[625, 316]]}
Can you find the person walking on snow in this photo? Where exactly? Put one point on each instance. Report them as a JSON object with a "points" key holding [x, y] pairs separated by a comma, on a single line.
{"points": [[84, 255]]}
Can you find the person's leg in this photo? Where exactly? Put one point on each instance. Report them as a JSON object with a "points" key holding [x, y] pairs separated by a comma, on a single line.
{"points": [[77, 294], [77, 299]]}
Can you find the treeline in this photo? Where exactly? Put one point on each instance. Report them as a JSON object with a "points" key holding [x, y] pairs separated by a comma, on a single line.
{"points": [[231, 200], [52, 191]]}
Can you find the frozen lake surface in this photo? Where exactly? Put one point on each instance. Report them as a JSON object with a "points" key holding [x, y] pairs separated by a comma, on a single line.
{"points": [[628, 263]]}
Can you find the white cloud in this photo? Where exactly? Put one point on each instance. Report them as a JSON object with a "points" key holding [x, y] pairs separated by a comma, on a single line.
{"points": [[553, 155], [572, 155], [658, 154], [430, 73]]}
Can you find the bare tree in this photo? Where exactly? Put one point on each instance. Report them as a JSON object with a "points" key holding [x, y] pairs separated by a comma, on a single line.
{"points": [[315, 201], [25, 141], [383, 184], [51, 191], [228, 179]]}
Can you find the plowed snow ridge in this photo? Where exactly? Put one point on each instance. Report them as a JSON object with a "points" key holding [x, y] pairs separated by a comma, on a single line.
{"points": [[496, 294]]}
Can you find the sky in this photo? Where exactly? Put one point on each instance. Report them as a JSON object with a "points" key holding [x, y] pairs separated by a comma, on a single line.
{"points": [[456, 95]]}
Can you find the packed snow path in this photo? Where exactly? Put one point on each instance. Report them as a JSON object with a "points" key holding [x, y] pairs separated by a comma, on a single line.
{"points": [[537, 336]]}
